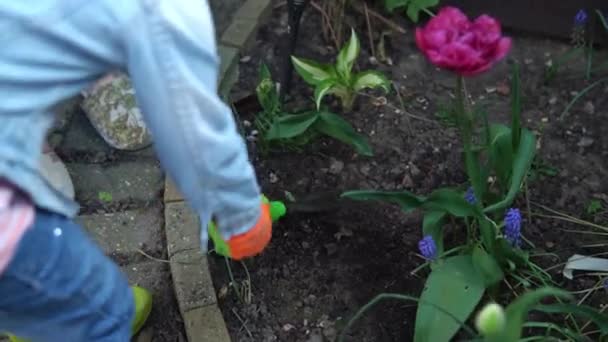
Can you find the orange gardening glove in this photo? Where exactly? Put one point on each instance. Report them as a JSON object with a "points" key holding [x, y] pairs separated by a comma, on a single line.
{"points": [[248, 244], [255, 240]]}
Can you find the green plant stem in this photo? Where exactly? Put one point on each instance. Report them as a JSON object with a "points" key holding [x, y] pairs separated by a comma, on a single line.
{"points": [[348, 100], [581, 94], [589, 59]]}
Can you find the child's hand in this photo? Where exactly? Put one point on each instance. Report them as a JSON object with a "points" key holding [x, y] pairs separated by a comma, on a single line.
{"points": [[255, 240], [247, 244]]}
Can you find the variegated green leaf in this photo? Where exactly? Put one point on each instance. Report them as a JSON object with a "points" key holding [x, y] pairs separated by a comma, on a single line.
{"points": [[312, 72], [371, 80], [324, 88], [348, 55]]}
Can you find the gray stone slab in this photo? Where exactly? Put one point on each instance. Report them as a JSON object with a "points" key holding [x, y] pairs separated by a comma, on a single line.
{"points": [[206, 325], [240, 34], [254, 9], [223, 11], [171, 192], [229, 57], [125, 233], [182, 228], [134, 180], [192, 281]]}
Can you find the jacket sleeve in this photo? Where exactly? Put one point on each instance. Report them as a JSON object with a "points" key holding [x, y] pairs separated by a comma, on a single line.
{"points": [[173, 64]]}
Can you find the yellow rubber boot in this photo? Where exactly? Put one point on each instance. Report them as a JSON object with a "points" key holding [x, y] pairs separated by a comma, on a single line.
{"points": [[143, 307]]}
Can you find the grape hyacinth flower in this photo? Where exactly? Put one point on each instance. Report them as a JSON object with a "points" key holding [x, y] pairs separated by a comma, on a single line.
{"points": [[578, 31], [580, 18], [513, 227], [428, 248], [469, 196]]}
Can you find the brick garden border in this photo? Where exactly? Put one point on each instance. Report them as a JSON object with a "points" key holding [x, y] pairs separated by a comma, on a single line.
{"points": [[192, 280]]}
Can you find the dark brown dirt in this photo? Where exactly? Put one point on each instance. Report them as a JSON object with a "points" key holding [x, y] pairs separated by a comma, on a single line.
{"points": [[320, 269]]}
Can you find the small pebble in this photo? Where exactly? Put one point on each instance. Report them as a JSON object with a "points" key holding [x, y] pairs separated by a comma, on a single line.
{"points": [[585, 142], [273, 178], [589, 108], [288, 327]]}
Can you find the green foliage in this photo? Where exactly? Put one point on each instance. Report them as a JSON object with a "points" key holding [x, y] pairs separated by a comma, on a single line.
{"points": [[594, 207], [455, 285], [518, 311], [458, 282], [412, 7], [104, 196], [276, 126], [339, 79]]}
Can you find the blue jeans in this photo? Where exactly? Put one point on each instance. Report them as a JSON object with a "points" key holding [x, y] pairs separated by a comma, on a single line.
{"points": [[61, 287]]}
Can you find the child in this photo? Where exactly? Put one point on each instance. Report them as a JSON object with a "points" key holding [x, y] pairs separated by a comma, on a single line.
{"points": [[55, 284]]}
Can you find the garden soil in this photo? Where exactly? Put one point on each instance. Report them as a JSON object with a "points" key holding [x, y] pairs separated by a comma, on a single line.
{"points": [[321, 268]]}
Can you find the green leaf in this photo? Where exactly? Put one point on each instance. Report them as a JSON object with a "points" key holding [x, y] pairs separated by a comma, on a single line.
{"points": [[416, 6], [506, 253], [266, 91], [432, 225], [501, 152], [487, 267], [584, 311], [456, 286], [312, 72], [517, 311], [521, 164], [338, 128], [322, 89], [488, 233], [371, 79], [451, 201], [407, 200], [289, 126], [474, 171], [391, 5], [104, 196], [348, 55], [515, 107]]}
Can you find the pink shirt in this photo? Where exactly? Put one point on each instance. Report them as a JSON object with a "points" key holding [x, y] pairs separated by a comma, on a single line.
{"points": [[16, 216]]}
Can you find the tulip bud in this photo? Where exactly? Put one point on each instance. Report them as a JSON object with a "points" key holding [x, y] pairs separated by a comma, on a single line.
{"points": [[491, 320]]}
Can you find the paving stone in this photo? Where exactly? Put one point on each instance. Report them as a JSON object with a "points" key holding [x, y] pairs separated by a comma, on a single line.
{"points": [[229, 57], [124, 233], [156, 278], [240, 34], [81, 137], [223, 11], [229, 69], [192, 281], [206, 325], [182, 228], [134, 180], [254, 9], [171, 192]]}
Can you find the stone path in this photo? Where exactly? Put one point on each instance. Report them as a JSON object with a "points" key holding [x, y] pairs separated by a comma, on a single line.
{"points": [[138, 217]]}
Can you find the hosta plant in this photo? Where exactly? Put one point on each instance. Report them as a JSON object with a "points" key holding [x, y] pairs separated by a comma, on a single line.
{"points": [[274, 125], [340, 79]]}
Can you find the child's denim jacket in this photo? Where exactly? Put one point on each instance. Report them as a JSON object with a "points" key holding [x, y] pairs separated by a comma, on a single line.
{"points": [[51, 50]]}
